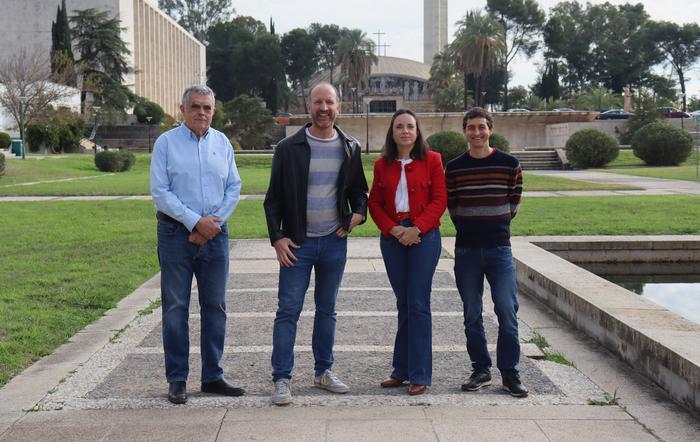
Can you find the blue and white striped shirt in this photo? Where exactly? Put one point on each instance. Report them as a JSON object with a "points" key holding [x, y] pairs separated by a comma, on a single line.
{"points": [[194, 177], [327, 157]]}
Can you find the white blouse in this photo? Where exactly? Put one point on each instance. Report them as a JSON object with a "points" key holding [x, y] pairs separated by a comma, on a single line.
{"points": [[401, 198]]}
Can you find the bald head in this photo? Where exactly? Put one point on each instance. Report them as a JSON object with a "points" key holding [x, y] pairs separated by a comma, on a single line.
{"points": [[325, 87]]}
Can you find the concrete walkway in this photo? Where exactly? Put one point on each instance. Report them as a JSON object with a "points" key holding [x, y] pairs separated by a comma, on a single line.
{"points": [[107, 383]]}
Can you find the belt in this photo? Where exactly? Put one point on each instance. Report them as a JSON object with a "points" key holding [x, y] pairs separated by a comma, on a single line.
{"points": [[400, 216], [163, 217]]}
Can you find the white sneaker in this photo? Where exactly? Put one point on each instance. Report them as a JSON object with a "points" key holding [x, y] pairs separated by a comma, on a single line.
{"points": [[283, 392], [329, 381]]}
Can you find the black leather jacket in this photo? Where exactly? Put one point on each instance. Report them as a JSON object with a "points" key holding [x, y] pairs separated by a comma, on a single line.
{"points": [[285, 201]]}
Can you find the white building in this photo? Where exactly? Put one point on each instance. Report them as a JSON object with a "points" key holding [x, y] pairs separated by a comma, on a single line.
{"points": [[166, 59]]}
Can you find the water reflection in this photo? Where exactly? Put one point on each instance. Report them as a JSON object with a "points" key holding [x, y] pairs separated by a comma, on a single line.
{"points": [[674, 286]]}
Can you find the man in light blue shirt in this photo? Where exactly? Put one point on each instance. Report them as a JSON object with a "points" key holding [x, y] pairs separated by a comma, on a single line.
{"points": [[195, 187]]}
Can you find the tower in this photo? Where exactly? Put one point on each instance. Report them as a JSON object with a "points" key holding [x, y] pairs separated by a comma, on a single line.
{"points": [[434, 28]]}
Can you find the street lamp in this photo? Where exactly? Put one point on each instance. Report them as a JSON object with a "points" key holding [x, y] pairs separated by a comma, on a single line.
{"points": [[22, 109], [148, 119], [367, 129], [95, 113]]}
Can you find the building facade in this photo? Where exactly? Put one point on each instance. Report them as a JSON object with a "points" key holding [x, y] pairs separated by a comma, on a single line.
{"points": [[164, 57]]}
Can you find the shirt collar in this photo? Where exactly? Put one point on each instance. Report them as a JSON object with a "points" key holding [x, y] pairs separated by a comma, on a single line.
{"points": [[194, 135]]}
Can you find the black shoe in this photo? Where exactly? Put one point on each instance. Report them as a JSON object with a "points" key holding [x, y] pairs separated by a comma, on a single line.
{"points": [[177, 392], [511, 383], [479, 378], [222, 387]]}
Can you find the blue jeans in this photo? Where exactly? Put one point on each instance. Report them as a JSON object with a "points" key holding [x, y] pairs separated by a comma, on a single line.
{"points": [[326, 255], [496, 263], [410, 270], [180, 260]]}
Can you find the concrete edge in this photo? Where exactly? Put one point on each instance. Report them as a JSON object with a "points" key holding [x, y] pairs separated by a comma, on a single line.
{"points": [[24, 391], [640, 332]]}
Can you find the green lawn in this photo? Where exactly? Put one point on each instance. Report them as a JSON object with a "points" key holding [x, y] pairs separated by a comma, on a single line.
{"points": [[628, 164], [254, 170], [64, 263]]}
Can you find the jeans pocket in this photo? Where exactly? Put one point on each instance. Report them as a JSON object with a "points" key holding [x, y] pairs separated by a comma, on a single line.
{"points": [[166, 228]]}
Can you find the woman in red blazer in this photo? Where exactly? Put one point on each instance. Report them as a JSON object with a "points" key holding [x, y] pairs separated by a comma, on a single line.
{"points": [[407, 199]]}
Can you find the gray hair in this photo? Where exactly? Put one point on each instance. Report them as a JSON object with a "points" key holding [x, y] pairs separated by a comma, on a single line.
{"points": [[198, 89]]}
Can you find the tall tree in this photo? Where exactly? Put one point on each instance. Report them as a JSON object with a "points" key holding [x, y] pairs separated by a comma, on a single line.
{"points": [[28, 88], [102, 63], [356, 57], [680, 45], [61, 47], [326, 38], [244, 58], [445, 85], [477, 50], [197, 16], [522, 22], [299, 52]]}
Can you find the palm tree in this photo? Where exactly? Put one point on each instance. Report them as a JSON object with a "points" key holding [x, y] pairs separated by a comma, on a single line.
{"points": [[355, 58], [477, 50]]}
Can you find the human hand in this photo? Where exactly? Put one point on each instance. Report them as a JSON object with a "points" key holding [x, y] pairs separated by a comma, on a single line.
{"points": [[410, 236], [197, 238], [284, 255], [354, 221], [207, 226]]}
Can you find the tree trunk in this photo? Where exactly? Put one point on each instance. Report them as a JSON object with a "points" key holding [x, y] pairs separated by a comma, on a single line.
{"points": [[466, 91]]}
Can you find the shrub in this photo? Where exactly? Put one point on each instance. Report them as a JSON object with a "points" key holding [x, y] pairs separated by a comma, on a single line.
{"points": [[661, 144], [58, 130], [2, 164], [5, 140], [448, 144], [145, 108], [500, 142], [129, 159], [591, 148], [114, 160], [235, 144]]}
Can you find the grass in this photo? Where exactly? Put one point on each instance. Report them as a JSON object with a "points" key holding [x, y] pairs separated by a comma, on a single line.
{"points": [[607, 400], [254, 171], [628, 164], [62, 265], [558, 358], [539, 340]]}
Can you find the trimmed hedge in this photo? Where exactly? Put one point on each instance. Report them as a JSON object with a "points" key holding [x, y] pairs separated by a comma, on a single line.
{"points": [[2, 164], [591, 148], [448, 144], [661, 144], [5, 140], [114, 160], [499, 142]]}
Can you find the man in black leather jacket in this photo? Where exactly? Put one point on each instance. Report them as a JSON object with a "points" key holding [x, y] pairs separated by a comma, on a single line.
{"points": [[317, 195]]}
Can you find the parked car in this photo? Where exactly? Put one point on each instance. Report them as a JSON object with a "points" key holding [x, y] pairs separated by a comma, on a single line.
{"points": [[695, 113], [614, 114], [282, 117], [672, 112], [518, 110], [563, 109]]}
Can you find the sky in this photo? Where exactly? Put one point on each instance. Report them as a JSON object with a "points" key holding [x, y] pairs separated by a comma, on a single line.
{"points": [[402, 23]]}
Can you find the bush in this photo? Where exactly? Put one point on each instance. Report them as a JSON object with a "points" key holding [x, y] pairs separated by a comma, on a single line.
{"points": [[114, 160], [591, 148], [661, 144], [145, 108], [499, 142], [448, 144], [58, 130], [5, 140], [2, 164]]}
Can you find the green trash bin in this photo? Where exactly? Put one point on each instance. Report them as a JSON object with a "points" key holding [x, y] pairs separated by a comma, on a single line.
{"points": [[16, 147]]}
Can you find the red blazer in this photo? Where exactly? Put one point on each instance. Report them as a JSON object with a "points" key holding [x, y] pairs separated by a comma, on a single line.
{"points": [[427, 194]]}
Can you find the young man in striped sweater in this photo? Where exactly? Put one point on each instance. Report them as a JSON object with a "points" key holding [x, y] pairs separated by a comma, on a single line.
{"points": [[484, 187]]}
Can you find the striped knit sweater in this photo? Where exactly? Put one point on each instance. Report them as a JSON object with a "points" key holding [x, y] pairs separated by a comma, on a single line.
{"points": [[483, 195]]}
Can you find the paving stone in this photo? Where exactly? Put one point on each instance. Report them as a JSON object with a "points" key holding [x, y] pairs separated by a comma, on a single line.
{"points": [[363, 330], [348, 300], [141, 376], [350, 280]]}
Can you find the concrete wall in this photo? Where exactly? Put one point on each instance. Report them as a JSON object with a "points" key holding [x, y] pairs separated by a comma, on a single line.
{"points": [[523, 130], [653, 340], [166, 59]]}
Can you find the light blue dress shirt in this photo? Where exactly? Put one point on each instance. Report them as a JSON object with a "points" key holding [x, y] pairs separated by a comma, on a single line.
{"points": [[194, 177]]}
